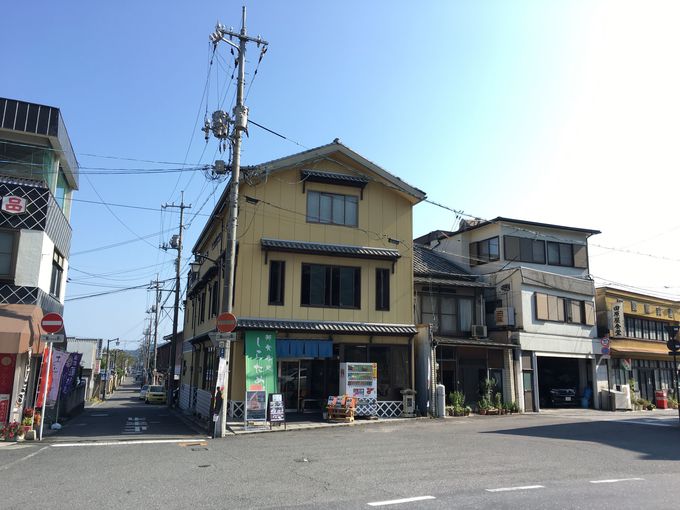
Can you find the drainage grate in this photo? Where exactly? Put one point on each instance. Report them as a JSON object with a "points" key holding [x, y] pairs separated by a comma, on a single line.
{"points": [[199, 449]]}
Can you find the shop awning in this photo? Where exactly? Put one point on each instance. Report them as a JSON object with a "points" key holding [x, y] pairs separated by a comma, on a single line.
{"points": [[639, 348], [20, 328], [289, 348]]}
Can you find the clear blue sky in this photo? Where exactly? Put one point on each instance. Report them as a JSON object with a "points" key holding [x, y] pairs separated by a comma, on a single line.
{"points": [[560, 112]]}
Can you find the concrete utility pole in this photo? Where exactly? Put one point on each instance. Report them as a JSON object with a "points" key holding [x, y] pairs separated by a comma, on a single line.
{"points": [[156, 286], [176, 243], [240, 124]]}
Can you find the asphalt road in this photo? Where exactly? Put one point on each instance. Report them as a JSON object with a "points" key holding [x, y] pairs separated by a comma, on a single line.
{"points": [[530, 461]]}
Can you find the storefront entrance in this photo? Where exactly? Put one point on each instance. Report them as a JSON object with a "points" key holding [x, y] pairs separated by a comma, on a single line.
{"points": [[302, 383]]}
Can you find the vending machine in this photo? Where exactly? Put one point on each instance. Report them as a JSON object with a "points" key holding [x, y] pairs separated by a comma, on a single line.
{"points": [[360, 380]]}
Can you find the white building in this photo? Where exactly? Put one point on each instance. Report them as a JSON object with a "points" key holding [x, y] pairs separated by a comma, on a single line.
{"points": [[542, 300], [38, 173]]}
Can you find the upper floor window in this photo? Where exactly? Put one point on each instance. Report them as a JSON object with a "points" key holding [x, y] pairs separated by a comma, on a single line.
{"points": [[559, 309], [57, 273], [277, 273], [484, 251], [450, 315], [646, 328], [567, 254], [382, 289], [332, 208], [331, 286], [524, 249], [7, 247]]}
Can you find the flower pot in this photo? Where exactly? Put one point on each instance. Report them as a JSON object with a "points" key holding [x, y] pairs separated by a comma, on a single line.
{"points": [[482, 411]]}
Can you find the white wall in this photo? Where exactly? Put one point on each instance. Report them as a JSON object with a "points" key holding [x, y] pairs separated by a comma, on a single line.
{"points": [[34, 260]]}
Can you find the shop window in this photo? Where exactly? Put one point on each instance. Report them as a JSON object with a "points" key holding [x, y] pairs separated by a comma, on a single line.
{"points": [[382, 289], [277, 272]]}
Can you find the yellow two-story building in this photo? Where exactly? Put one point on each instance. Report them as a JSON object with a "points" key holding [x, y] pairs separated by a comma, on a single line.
{"points": [[324, 274]]}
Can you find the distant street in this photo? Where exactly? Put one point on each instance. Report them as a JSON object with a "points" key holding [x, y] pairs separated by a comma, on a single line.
{"points": [[564, 459]]}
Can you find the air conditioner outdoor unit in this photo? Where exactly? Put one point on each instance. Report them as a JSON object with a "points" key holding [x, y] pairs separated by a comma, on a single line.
{"points": [[478, 331], [505, 316]]}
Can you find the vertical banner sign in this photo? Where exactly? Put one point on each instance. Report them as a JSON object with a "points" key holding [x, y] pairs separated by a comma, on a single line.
{"points": [[21, 396], [44, 379], [261, 361], [59, 360], [7, 364], [68, 376], [617, 319]]}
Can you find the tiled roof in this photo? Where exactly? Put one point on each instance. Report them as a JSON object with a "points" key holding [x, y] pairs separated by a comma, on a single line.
{"points": [[427, 262], [313, 174], [426, 280], [328, 327], [472, 341], [338, 250]]}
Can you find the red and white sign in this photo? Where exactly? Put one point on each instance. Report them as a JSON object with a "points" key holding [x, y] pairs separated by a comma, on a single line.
{"points": [[604, 341], [13, 205], [226, 322], [52, 323]]}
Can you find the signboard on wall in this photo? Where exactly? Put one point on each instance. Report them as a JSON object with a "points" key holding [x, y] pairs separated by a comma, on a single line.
{"points": [[617, 325], [13, 205], [261, 361]]}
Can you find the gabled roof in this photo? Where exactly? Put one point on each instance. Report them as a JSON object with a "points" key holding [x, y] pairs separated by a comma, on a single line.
{"points": [[317, 153], [327, 150]]}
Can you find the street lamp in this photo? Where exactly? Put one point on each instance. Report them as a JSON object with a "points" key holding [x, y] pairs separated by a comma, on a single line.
{"points": [[108, 365], [673, 345]]}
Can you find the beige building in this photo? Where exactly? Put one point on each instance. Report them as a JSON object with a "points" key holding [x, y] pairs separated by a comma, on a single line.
{"points": [[324, 268], [637, 326]]}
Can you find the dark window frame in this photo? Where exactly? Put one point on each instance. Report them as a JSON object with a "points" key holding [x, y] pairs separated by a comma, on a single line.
{"points": [[14, 236], [277, 282], [57, 273], [331, 291], [480, 252], [527, 249], [382, 289], [565, 254], [438, 314]]}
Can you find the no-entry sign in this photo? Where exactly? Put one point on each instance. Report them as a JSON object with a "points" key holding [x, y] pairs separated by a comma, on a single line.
{"points": [[226, 322], [52, 323]]}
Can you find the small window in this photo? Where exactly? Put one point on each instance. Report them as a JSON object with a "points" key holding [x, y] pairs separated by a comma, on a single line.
{"points": [[332, 208], [482, 252], [331, 286], [7, 242], [658, 311], [633, 306], [277, 272], [57, 273], [560, 254], [382, 289]]}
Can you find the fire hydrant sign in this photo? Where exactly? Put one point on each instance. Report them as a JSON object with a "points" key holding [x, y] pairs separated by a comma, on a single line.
{"points": [[261, 361]]}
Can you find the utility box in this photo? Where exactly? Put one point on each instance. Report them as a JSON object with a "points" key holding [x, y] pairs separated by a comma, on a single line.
{"points": [[409, 403], [661, 399]]}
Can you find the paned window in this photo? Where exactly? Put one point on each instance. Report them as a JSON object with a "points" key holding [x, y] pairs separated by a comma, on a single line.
{"points": [[57, 273], [332, 208], [482, 252], [7, 241], [450, 315], [524, 249], [331, 286], [559, 309]]}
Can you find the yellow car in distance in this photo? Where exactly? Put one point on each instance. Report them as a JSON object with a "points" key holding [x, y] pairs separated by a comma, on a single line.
{"points": [[155, 395]]}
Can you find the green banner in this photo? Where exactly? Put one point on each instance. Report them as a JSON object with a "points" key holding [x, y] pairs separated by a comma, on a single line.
{"points": [[261, 373]]}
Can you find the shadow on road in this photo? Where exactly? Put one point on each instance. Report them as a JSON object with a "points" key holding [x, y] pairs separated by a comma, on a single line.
{"points": [[652, 442]]}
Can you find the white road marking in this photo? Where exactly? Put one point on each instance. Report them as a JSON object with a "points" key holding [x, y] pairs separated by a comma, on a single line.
{"points": [[123, 443], [521, 488], [7, 466], [616, 480], [400, 501]]}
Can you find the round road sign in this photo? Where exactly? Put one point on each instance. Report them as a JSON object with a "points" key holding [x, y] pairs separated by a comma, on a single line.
{"points": [[226, 322], [52, 323]]}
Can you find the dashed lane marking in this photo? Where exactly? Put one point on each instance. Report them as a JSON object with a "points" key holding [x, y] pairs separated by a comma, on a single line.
{"points": [[520, 488], [400, 501], [7, 466], [616, 480]]}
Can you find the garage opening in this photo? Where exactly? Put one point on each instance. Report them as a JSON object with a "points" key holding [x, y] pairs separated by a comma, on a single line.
{"points": [[558, 382]]}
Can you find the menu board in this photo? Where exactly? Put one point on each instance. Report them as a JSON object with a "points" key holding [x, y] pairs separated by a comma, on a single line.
{"points": [[277, 411], [256, 406]]}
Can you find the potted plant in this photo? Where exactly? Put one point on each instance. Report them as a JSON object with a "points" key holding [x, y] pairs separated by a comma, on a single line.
{"points": [[12, 431], [498, 402], [467, 410], [483, 406]]}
